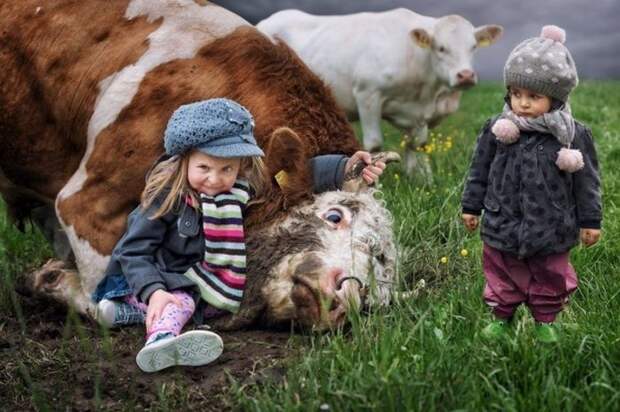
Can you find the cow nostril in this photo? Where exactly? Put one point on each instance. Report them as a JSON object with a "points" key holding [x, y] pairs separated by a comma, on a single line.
{"points": [[466, 76]]}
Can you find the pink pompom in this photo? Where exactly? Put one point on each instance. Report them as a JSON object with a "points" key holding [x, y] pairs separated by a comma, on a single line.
{"points": [[506, 131], [569, 160], [554, 33]]}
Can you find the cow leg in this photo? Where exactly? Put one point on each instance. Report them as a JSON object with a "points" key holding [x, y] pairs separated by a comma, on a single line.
{"points": [[369, 108], [70, 286], [45, 218], [75, 287], [417, 162]]}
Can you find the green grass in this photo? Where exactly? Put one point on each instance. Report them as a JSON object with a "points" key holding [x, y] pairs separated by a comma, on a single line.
{"points": [[19, 253], [425, 352]]}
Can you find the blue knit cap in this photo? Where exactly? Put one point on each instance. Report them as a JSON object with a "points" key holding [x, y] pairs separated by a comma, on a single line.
{"points": [[217, 127]]}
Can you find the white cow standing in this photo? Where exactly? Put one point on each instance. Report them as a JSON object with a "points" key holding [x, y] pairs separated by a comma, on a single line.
{"points": [[397, 65]]}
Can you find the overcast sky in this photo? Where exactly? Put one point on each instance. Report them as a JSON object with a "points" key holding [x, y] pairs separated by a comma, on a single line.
{"points": [[592, 27]]}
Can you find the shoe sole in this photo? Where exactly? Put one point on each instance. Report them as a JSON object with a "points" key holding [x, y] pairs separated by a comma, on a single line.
{"points": [[194, 348]]}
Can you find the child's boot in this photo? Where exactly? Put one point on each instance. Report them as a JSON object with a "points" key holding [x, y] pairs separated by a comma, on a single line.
{"points": [[546, 333], [495, 330], [112, 313], [193, 348]]}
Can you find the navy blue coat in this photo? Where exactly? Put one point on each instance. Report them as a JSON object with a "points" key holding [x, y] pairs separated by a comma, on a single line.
{"points": [[531, 207]]}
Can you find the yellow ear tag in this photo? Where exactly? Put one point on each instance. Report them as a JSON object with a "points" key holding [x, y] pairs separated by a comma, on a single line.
{"points": [[281, 178], [484, 43]]}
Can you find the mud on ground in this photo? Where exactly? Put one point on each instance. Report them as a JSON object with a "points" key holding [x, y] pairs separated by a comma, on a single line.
{"points": [[54, 360]]}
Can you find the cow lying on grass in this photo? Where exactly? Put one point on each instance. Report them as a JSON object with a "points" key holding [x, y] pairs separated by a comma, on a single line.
{"points": [[85, 93]]}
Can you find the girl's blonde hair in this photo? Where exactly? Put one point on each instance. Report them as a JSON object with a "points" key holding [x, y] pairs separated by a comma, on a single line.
{"points": [[168, 179]]}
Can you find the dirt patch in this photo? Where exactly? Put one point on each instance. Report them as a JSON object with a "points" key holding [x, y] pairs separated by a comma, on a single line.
{"points": [[51, 359]]}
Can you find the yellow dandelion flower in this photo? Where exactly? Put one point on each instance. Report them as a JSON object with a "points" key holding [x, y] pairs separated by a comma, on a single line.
{"points": [[444, 260], [396, 176], [403, 143], [464, 252]]}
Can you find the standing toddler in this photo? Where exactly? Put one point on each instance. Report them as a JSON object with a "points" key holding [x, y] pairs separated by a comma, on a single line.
{"points": [[535, 175]]}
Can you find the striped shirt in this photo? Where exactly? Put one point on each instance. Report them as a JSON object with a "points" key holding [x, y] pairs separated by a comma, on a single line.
{"points": [[220, 277]]}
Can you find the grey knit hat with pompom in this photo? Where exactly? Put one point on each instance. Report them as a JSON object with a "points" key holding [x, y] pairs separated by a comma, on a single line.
{"points": [[218, 127], [543, 64]]}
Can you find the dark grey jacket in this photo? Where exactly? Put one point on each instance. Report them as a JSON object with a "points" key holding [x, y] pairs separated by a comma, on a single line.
{"points": [[153, 254], [531, 207]]}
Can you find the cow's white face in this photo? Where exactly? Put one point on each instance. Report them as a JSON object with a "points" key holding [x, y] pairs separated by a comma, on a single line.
{"points": [[348, 260], [451, 46]]}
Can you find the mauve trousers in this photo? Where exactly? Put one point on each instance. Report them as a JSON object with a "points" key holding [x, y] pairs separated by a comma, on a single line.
{"points": [[543, 283]]}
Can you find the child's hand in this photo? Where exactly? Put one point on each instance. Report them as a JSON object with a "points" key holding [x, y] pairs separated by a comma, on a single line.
{"points": [[470, 221], [589, 236], [370, 173], [157, 302]]}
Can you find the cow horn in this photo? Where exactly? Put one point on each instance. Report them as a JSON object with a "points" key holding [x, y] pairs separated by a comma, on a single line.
{"points": [[353, 181]]}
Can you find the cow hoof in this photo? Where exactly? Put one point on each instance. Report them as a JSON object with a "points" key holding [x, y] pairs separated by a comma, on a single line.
{"points": [[48, 276]]}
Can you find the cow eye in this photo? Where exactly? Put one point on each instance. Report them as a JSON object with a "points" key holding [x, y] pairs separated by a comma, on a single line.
{"points": [[442, 49], [334, 216]]}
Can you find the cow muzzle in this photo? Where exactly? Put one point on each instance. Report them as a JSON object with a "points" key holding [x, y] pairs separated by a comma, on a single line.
{"points": [[466, 79], [323, 296]]}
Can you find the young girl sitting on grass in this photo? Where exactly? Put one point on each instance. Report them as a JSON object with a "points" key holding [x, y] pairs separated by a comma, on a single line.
{"points": [[535, 175], [184, 245]]}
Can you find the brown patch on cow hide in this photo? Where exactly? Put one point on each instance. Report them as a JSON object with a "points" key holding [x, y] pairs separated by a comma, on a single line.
{"points": [[267, 250], [244, 66], [51, 65]]}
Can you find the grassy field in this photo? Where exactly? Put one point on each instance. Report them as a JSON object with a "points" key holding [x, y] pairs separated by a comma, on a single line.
{"points": [[425, 353]]}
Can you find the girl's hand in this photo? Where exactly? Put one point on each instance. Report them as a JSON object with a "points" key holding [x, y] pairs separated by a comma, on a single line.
{"points": [[370, 173], [470, 221], [589, 236], [157, 302]]}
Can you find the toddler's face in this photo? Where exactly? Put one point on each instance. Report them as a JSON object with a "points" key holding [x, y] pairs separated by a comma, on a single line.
{"points": [[211, 175], [527, 103]]}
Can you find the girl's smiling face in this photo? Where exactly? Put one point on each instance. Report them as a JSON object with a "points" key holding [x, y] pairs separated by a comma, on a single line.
{"points": [[211, 175], [527, 103]]}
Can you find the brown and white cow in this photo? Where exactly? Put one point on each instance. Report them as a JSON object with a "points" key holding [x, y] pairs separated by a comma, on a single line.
{"points": [[86, 89]]}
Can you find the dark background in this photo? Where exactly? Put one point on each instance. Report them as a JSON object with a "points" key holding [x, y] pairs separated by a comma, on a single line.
{"points": [[592, 26]]}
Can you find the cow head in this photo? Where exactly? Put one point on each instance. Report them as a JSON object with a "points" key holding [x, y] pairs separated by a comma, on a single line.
{"points": [[337, 252], [325, 255], [451, 45]]}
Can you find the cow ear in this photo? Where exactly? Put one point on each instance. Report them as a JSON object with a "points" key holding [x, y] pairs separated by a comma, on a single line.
{"points": [[421, 38], [353, 181], [285, 151], [488, 34], [287, 162]]}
